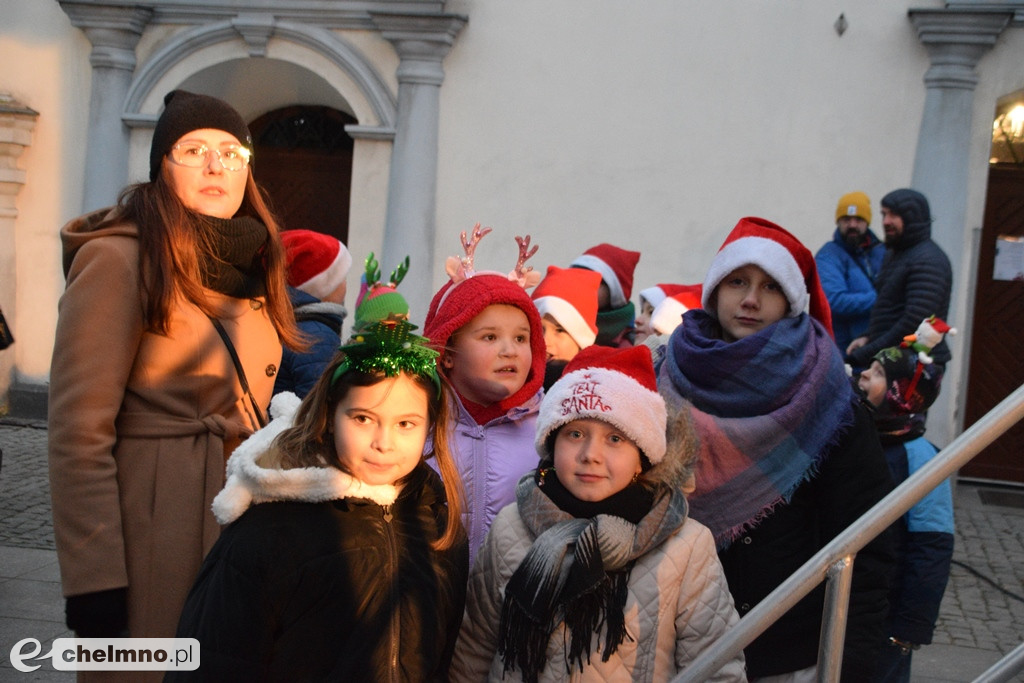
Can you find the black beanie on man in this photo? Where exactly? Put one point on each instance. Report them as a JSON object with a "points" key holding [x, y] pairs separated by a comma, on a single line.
{"points": [[910, 205], [184, 112]]}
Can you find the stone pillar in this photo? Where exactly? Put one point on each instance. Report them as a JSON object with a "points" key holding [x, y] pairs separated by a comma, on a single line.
{"points": [[422, 42], [16, 124], [114, 30], [955, 39]]}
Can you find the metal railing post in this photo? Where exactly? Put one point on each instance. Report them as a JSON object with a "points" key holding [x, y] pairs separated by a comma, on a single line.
{"points": [[833, 623], [1005, 669]]}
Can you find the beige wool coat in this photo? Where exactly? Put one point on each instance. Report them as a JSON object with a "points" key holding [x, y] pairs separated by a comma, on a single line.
{"points": [[140, 425]]}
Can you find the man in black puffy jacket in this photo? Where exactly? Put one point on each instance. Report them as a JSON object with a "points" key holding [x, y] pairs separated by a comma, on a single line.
{"points": [[915, 281]]}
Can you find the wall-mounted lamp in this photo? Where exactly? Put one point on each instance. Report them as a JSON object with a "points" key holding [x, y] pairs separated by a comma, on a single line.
{"points": [[1008, 136]]}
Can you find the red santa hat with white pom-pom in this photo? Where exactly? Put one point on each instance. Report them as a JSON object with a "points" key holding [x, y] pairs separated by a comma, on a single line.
{"points": [[317, 263], [759, 242]]}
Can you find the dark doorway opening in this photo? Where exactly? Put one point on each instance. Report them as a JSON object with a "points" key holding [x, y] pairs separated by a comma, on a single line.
{"points": [[996, 364], [303, 159]]}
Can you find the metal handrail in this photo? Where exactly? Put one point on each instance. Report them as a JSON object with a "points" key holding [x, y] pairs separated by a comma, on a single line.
{"points": [[876, 520]]}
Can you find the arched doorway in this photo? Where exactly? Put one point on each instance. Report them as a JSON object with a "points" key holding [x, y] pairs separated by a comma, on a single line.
{"points": [[303, 158]]}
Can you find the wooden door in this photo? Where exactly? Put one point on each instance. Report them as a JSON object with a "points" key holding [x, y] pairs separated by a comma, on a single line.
{"points": [[997, 363], [303, 159]]}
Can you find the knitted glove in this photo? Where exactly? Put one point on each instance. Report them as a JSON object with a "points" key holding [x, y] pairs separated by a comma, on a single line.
{"points": [[103, 614]]}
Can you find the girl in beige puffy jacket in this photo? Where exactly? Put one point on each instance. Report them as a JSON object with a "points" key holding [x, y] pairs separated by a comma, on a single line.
{"points": [[596, 573]]}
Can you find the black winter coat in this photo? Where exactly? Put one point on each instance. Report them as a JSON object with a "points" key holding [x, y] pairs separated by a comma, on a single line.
{"points": [[853, 477], [344, 590], [915, 282]]}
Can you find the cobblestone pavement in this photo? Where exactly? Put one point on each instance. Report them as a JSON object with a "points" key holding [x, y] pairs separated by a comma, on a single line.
{"points": [[24, 487], [981, 619], [983, 606]]}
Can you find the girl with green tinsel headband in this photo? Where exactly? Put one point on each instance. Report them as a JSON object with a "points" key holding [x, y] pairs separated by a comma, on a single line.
{"points": [[345, 557]]}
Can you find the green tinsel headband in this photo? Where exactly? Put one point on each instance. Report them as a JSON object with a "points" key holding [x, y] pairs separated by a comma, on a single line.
{"points": [[388, 346]]}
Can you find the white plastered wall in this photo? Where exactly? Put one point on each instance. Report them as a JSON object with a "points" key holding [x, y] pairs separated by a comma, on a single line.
{"points": [[46, 68], [656, 127]]}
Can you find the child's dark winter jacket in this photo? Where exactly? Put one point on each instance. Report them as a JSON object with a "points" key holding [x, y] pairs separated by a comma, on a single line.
{"points": [[326, 578], [850, 481], [321, 322], [924, 548]]}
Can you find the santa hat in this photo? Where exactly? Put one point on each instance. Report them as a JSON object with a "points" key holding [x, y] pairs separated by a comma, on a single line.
{"points": [[617, 386], [616, 267], [658, 293], [756, 241], [469, 292], [569, 295], [669, 313], [317, 263]]}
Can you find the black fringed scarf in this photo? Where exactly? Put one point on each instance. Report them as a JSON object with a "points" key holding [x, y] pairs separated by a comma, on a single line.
{"points": [[236, 266], [577, 570]]}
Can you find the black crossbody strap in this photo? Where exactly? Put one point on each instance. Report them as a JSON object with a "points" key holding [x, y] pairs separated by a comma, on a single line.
{"points": [[238, 368]]}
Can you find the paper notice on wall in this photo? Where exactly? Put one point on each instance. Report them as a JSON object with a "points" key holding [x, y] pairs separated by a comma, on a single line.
{"points": [[1009, 258]]}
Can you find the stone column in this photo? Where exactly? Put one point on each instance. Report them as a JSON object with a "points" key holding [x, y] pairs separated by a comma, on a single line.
{"points": [[422, 42], [114, 30], [16, 124], [955, 39]]}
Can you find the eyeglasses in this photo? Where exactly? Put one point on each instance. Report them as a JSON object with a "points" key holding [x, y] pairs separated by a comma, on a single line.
{"points": [[197, 155]]}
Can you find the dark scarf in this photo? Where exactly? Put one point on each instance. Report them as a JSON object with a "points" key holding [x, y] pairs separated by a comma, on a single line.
{"points": [[615, 326], [577, 570], [235, 267], [896, 428], [766, 409]]}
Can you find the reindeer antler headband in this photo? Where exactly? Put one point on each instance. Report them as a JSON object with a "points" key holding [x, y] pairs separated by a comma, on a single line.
{"points": [[460, 268]]}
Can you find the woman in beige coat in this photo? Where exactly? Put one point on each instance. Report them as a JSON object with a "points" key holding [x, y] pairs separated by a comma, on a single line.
{"points": [[145, 399], [596, 572]]}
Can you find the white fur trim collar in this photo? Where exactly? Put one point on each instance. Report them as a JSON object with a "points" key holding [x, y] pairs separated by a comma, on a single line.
{"points": [[249, 483]]}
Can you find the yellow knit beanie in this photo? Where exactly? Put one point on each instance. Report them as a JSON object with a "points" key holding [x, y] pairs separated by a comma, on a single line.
{"points": [[854, 204]]}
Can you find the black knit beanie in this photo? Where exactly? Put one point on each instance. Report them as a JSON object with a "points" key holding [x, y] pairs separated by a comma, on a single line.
{"points": [[184, 112], [910, 205]]}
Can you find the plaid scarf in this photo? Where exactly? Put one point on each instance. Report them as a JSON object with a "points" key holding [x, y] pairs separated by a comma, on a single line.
{"points": [[766, 410]]}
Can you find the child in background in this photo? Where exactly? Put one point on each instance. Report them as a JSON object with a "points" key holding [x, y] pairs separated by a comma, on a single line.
{"points": [[597, 569], [344, 558], [567, 302], [649, 299], [788, 456], [667, 316], [317, 267], [615, 311], [901, 388], [492, 351]]}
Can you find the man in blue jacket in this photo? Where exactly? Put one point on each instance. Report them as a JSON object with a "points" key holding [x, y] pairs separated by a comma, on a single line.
{"points": [[915, 282], [848, 266]]}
